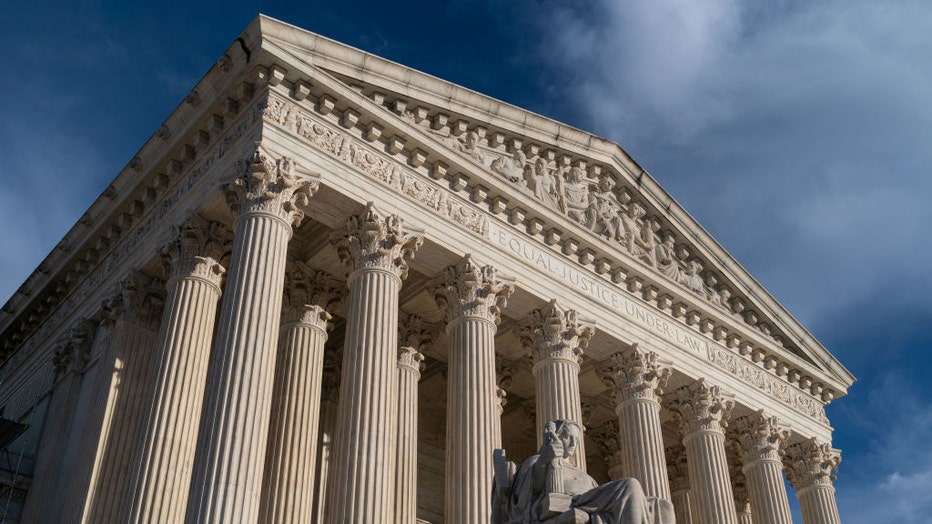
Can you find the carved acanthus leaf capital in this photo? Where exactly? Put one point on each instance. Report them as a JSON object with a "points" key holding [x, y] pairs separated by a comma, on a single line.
{"points": [[811, 463], [196, 250], [552, 333], [377, 241], [309, 295], [73, 351], [267, 185], [759, 436], [639, 374], [701, 407], [413, 336], [469, 290], [138, 301]]}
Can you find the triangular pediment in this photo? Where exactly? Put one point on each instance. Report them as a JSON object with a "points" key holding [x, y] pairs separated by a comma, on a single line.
{"points": [[582, 195]]}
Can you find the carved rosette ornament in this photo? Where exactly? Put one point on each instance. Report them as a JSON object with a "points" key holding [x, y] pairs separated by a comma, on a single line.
{"points": [[811, 463], [138, 301], [74, 349], [377, 241], [264, 185], [759, 437], [471, 291], [639, 374], [196, 250], [552, 333], [702, 407]]}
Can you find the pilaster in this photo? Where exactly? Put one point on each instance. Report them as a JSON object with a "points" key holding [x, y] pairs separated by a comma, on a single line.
{"points": [[227, 481], [159, 488], [554, 339], [811, 467], [471, 297], [639, 377], [374, 250], [702, 411]]}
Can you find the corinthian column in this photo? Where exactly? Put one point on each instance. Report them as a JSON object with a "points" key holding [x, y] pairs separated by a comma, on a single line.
{"points": [[639, 377], [235, 421], [811, 468], [329, 396], [291, 455], [162, 464], [702, 411], [471, 298], [680, 497], [760, 440], [131, 320], [555, 339], [412, 337], [362, 484]]}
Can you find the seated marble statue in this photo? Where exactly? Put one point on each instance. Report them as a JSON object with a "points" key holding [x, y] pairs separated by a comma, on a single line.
{"points": [[547, 488]]}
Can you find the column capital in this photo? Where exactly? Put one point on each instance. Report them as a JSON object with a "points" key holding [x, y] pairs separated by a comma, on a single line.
{"points": [[73, 350], [811, 463], [138, 300], [606, 438], [701, 406], [470, 290], [739, 486], [412, 338], [637, 374], [270, 186], [759, 436], [677, 468], [554, 333], [376, 241], [196, 249], [308, 296]]}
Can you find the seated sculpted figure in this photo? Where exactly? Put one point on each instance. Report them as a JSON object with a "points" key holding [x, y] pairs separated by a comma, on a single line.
{"points": [[548, 489]]}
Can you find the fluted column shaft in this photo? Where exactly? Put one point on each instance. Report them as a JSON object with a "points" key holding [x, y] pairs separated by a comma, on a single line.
{"points": [[745, 515], [555, 338], [811, 468], [330, 392], [122, 424], [362, 486], [769, 501], [409, 373], [288, 484], [760, 439], [471, 299], [701, 410], [162, 465], [639, 378], [678, 473], [682, 505], [230, 455], [818, 505]]}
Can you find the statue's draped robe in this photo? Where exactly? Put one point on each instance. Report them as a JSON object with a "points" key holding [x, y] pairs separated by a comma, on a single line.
{"points": [[618, 502]]}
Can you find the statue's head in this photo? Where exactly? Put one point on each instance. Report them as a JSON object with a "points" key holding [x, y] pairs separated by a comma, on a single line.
{"points": [[568, 432]]}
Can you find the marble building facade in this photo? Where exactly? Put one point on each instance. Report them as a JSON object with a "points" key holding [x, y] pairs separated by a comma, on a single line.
{"points": [[329, 286]]}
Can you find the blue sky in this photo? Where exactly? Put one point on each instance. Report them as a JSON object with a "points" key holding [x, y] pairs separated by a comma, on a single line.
{"points": [[797, 133]]}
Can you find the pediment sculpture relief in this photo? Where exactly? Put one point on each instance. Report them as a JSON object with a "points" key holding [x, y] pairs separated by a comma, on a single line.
{"points": [[547, 488]]}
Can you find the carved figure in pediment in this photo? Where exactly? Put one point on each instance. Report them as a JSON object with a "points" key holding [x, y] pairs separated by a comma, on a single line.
{"points": [[692, 279], [665, 254], [511, 168], [547, 488], [469, 146], [576, 197], [606, 211], [638, 235], [543, 183]]}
